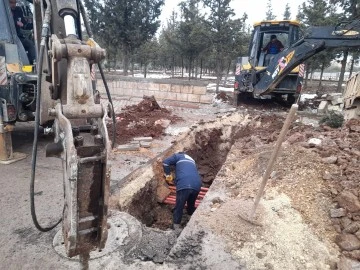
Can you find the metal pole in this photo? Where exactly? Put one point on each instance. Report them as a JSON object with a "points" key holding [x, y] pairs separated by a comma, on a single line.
{"points": [[84, 261], [273, 157]]}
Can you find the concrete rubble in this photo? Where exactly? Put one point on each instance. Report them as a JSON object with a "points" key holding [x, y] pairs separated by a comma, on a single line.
{"points": [[136, 144]]}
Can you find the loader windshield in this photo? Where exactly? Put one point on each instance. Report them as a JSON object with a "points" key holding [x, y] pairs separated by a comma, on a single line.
{"points": [[5, 30]]}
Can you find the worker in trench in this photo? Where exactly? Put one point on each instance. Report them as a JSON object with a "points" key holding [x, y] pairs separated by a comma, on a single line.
{"points": [[187, 181]]}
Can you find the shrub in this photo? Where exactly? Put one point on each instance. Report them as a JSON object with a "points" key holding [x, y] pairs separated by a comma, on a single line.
{"points": [[333, 119]]}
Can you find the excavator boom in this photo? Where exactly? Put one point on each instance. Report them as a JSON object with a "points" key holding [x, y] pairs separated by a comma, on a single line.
{"points": [[58, 91]]}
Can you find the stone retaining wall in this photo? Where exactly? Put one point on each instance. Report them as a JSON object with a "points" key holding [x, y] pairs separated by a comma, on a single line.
{"points": [[162, 89]]}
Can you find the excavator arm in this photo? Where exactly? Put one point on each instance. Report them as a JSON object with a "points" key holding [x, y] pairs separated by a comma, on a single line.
{"points": [[315, 40], [65, 96]]}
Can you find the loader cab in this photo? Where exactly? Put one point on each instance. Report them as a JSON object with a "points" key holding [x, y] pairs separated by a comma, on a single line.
{"points": [[10, 45], [286, 31]]}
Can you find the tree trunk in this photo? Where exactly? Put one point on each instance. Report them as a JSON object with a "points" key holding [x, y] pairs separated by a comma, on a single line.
{"points": [[132, 68], [342, 71], [227, 73], [126, 61], [201, 67], [218, 75], [108, 62], [173, 67], [306, 77], [196, 69], [351, 66], [311, 74], [190, 62], [145, 70], [182, 67], [321, 74]]}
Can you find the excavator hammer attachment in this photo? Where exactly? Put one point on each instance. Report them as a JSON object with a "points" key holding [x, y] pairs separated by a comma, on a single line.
{"points": [[82, 142]]}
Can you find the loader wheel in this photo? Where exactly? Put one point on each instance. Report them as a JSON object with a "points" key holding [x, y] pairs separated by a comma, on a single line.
{"points": [[291, 99], [242, 97]]}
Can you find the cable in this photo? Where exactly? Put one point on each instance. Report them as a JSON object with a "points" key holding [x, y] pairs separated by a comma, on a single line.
{"points": [[112, 106], [90, 33], [45, 31]]}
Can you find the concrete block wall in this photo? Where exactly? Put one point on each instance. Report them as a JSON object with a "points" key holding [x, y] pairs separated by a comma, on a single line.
{"points": [[162, 89]]}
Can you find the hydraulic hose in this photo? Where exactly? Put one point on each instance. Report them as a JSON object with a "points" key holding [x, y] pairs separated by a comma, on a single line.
{"points": [[45, 34], [112, 105], [90, 33]]}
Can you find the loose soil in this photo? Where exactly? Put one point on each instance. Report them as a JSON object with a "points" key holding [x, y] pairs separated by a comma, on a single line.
{"points": [[142, 120]]}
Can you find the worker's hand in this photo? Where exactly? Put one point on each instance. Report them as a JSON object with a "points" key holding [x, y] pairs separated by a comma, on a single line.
{"points": [[169, 179], [19, 23]]}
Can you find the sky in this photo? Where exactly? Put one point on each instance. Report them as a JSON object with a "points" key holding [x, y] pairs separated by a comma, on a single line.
{"points": [[255, 9]]}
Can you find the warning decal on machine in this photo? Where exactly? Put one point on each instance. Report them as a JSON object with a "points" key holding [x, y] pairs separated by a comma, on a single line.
{"points": [[3, 74]]}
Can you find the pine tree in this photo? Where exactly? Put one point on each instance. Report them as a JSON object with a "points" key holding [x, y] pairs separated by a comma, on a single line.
{"points": [[351, 10], [269, 11], [222, 34], [287, 13], [189, 37], [125, 23], [318, 13]]}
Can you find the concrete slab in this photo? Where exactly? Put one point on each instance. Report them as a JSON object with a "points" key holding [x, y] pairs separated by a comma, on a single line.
{"points": [[323, 106], [144, 139], [129, 147], [145, 144]]}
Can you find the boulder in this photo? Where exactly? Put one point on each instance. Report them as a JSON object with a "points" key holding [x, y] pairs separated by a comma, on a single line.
{"points": [[314, 142], [347, 242], [352, 228], [327, 175], [329, 160], [349, 201], [336, 213], [348, 264], [296, 137], [355, 254]]}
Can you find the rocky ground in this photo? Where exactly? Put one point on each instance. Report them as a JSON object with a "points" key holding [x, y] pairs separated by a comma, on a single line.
{"points": [[311, 206]]}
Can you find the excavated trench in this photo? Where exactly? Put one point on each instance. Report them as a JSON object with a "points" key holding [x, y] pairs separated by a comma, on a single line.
{"points": [[209, 144], [209, 150]]}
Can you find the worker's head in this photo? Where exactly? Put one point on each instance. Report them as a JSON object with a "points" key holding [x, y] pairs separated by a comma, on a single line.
{"points": [[12, 4], [273, 37]]}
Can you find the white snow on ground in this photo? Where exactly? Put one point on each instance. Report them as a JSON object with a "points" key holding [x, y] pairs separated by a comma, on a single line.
{"points": [[212, 87], [153, 76], [307, 96]]}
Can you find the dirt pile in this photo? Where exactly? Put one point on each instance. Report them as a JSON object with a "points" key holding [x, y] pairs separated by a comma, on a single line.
{"points": [[340, 149], [223, 97], [297, 232], [146, 119], [318, 170]]}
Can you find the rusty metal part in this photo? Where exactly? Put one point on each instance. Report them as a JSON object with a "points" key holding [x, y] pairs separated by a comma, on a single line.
{"points": [[87, 183], [6, 150], [79, 101]]}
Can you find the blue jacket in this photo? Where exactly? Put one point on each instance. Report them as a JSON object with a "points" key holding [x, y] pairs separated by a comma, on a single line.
{"points": [[186, 173]]}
